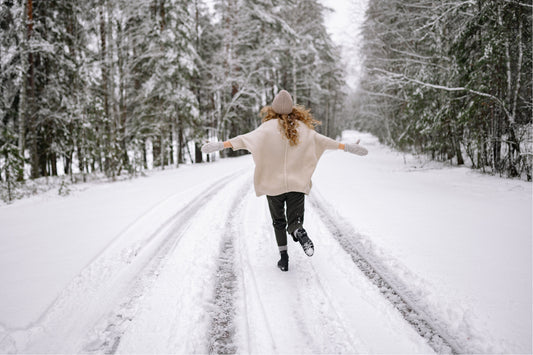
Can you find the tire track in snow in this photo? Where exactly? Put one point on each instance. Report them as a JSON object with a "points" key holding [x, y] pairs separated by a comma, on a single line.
{"points": [[108, 340], [257, 296], [222, 329], [116, 272], [312, 295], [338, 322], [306, 321], [340, 339], [436, 338], [248, 278]]}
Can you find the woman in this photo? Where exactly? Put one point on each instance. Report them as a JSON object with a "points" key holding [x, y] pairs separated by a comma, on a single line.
{"points": [[285, 149]]}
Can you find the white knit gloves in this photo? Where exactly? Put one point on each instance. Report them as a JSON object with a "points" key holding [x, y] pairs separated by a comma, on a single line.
{"points": [[355, 148], [212, 147]]}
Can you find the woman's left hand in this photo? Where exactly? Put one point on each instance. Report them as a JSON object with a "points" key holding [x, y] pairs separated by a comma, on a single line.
{"points": [[355, 148]]}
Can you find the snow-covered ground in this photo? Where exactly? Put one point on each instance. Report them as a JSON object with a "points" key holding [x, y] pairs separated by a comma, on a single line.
{"points": [[185, 261], [460, 240]]}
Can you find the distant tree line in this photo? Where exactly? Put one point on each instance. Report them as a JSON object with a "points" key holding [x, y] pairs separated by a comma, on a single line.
{"points": [[452, 79], [100, 85]]}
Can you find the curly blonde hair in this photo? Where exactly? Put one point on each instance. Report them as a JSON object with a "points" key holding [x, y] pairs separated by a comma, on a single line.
{"points": [[289, 122]]}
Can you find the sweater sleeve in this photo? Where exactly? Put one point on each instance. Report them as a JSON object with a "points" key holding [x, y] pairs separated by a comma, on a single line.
{"points": [[246, 141], [322, 143], [238, 142]]}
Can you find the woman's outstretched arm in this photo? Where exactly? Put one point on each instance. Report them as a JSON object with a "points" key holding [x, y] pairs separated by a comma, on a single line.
{"points": [[353, 148], [212, 147]]}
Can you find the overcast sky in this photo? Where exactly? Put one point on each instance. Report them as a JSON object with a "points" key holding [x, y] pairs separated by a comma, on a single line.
{"points": [[344, 23]]}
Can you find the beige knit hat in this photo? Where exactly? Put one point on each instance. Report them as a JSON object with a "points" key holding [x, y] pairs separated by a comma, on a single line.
{"points": [[282, 103]]}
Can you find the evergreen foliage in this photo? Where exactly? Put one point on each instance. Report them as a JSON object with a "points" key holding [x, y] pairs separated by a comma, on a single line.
{"points": [[122, 86], [11, 163], [451, 79]]}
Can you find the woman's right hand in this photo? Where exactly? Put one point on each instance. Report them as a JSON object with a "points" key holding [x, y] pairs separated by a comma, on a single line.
{"points": [[212, 147]]}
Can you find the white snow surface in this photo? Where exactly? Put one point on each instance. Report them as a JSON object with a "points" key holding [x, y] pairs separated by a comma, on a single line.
{"points": [[184, 261]]}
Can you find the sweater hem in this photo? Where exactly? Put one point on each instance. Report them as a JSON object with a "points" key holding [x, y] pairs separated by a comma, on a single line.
{"points": [[280, 192]]}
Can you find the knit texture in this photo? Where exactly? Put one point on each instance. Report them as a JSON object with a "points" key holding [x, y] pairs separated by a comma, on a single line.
{"points": [[280, 167], [212, 147], [355, 148], [282, 103]]}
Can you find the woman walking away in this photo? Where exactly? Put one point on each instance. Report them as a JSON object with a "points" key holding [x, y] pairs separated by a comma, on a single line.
{"points": [[285, 149]]}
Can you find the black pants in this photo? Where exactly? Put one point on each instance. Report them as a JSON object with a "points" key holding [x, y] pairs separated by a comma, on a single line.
{"points": [[295, 214]]}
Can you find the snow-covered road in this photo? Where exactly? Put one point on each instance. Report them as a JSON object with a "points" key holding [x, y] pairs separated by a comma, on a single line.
{"points": [[193, 269], [205, 281], [245, 304]]}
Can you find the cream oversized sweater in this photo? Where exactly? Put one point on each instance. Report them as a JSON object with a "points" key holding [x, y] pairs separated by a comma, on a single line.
{"points": [[280, 167]]}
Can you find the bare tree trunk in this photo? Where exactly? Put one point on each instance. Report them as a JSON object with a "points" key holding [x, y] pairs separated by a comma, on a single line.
{"points": [[144, 157], [162, 151], [105, 91], [518, 69], [172, 138], [180, 142], [24, 82], [188, 151], [35, 172], [114, 118], [198, 158], [122, 110], [53, 163]]}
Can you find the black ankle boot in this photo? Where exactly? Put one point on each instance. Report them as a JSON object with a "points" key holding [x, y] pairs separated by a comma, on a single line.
{"points": [[301, 235], [283, 263]]}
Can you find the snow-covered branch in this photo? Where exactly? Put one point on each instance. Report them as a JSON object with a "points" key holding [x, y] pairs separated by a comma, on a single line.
{"points": [[405, 79]]}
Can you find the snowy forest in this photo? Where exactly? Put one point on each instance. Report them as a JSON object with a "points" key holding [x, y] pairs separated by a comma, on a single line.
{"points": [[119, 86], [90, 83], [452, 79], [119, 235]]}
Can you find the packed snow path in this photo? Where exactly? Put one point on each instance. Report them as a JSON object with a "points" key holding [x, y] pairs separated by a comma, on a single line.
{"points": [[206, 281]]}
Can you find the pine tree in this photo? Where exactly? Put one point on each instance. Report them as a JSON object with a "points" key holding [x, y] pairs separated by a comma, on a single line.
{"points": [[11, 163], [273, 45], [91, 85], [12, 51], [450, 78]]}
